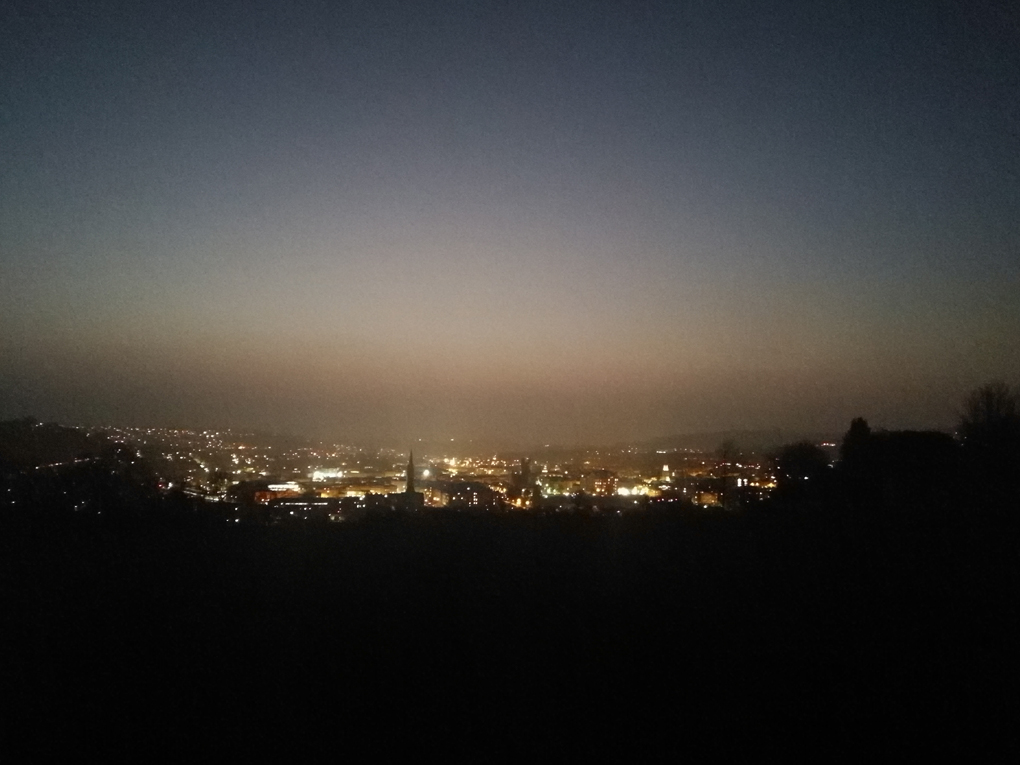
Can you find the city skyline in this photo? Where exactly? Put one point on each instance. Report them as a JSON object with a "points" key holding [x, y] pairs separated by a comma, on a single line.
{"points": [[591, 223]]}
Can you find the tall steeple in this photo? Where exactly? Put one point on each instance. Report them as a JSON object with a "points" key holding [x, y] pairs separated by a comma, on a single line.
{"points": [[410, 473]]}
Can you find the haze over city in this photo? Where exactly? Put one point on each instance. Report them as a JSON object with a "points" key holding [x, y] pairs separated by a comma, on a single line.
{"points": [[569, 222]]}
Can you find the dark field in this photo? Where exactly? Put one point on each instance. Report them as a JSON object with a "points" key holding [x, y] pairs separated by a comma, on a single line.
{"points": [[503, 634]]}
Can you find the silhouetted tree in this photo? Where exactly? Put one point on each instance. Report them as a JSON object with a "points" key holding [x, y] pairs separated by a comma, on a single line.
{"points": [[898, 471], [989, 428], [991, 418], [800, 468], [857, 463], [728, 451], [800, 462], [855, 442]]}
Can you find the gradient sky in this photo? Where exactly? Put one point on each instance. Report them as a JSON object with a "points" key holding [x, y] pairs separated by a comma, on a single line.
{"points": [[544, 221]]}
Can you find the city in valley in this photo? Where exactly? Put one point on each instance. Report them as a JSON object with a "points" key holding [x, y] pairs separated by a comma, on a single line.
{"points": [[312, 590], [246, 476]]}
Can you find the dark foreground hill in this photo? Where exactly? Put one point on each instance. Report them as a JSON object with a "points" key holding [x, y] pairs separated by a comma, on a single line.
{"points": [[516, 635]]}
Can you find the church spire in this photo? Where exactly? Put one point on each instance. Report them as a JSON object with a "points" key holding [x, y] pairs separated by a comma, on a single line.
{"points": [[410, 473]]}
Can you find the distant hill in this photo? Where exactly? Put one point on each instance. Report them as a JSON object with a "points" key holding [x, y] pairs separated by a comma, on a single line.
{"points": [[746, 440], [27, 443]]}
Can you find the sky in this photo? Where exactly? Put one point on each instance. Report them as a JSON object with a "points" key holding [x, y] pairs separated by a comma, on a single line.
{"points": [[514, 221]]}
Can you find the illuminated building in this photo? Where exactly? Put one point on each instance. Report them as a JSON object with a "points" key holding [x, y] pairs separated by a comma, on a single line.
{"points": [[472, 494], [709, 499], [599, 482], [277, 491]]}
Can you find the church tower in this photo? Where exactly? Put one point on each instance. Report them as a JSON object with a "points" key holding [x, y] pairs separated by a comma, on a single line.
{"points": [[410, 474]]}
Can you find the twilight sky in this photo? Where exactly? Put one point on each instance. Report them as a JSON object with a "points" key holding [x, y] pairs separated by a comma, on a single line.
{"points": [[530, 221]]}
